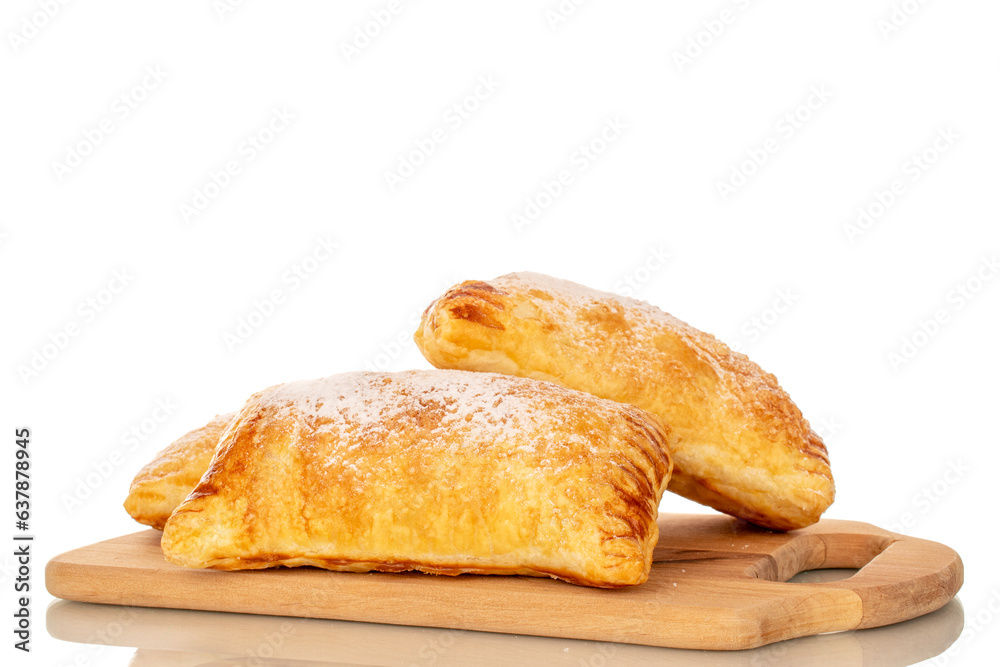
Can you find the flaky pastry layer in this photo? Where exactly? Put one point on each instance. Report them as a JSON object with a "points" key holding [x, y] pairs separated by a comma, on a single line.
{"points": [[742, 446], [164, 482], [445, 472]]}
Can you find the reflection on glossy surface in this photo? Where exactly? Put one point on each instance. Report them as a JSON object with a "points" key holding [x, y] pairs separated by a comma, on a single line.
{"points": [[181, 638]]}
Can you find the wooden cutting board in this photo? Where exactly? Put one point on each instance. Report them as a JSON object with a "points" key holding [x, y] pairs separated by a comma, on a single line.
{"points": [[716, 583]]}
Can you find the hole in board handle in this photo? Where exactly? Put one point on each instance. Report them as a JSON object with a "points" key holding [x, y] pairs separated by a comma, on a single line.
{"points": [[848, 552], [823, 576]]}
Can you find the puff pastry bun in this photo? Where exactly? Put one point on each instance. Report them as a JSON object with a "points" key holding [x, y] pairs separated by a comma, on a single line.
{"points": [[444, 472], [742, 446], [165, 481]]}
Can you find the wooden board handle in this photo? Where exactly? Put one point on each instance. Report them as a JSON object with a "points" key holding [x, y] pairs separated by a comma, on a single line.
{"points": [[899, 578]]}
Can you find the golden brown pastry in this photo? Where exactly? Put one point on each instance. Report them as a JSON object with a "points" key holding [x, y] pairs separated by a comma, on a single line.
{"points": [[444, 472], [742, 446], [165, 481]]}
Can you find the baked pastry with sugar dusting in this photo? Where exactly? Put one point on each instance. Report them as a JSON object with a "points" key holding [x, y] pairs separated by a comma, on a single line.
{"points": [[742, 446], [165, 481], [445, 472]]}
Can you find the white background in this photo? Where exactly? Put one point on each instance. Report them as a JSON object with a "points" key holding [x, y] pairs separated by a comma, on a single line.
{"points": [[894, 430]]}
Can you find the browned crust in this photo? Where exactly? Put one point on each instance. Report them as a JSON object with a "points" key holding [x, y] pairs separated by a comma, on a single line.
{"points": [[163, 483], [577, 478], [721, 404], [276, 560], [475, 302]]}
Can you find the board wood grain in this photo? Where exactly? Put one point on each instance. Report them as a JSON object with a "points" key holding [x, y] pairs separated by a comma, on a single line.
{"points": [[716, 583]]}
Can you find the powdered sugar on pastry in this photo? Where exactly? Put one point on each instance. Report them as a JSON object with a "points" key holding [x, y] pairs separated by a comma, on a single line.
{"points": [[743, 446], [439, 471]]}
